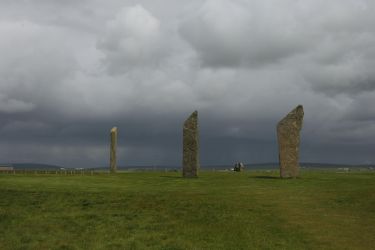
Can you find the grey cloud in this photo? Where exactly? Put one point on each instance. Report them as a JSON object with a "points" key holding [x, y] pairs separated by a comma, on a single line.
{"points": [[65, 155], [340, 66], [232, 33], [14, 106], [79, 15], [34, 63], [67, 77], [133, 39], [337, 79], [235, 33], [331, 50], [361, 109]]}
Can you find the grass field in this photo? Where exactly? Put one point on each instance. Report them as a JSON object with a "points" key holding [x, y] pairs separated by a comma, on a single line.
{"points": [[219, 210]]}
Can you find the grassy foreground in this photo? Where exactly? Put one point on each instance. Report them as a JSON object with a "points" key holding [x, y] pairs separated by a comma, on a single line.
{"points": [[219, 210]]}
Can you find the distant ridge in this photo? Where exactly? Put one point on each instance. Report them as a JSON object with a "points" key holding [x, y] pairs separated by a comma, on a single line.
{"points": [[254, 166], [275, 165], [268, 165], [39, 166]]}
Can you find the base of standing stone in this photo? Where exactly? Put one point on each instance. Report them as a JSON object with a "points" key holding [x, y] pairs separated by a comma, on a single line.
{"points": [[189, 175]]}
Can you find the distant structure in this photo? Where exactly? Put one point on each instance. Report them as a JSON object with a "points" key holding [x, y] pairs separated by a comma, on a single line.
{"points": [[190, 158], [113, 148], [288, 136], [239, 167]]}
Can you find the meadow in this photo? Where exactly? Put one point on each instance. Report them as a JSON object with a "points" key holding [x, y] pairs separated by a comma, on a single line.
{"points": [[161, 210]]}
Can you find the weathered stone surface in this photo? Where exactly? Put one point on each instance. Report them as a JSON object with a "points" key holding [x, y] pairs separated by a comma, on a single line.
{"points": [[190, 158], [288, 136], [239, 167], [113, 147]]}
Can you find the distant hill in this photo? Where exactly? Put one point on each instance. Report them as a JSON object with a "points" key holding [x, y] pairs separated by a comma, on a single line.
{"points": [[275, 165], [39, 166], [254, 166]]}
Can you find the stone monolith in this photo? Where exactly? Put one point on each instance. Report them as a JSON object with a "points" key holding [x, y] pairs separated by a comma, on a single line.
{"points": [[190, 158], [113, 147], [288, 136]]}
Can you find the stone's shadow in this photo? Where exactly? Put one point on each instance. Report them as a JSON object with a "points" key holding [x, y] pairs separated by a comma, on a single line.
{"points": [[173, 177], [265, 177]]}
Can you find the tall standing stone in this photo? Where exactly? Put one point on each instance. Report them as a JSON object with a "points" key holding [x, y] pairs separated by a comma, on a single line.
{"points": [[190, 161], [288, 136], [113, 147]]}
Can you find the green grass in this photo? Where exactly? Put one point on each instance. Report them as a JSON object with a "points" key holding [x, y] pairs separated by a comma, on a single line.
{"points": [[219, 210]]}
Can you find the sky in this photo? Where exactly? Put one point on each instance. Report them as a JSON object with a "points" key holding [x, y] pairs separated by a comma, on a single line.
{"points": [[71, 70]]}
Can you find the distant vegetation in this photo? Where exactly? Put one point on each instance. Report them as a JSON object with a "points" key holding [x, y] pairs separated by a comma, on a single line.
{"points": [[161, 210]]}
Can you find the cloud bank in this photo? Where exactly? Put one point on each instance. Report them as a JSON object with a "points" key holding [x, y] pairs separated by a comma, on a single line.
{"points": [[70, 71]]}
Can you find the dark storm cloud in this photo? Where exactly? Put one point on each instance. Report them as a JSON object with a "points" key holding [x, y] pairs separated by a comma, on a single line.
{"points": [[361, 109], [339, 81], [71, 70]]}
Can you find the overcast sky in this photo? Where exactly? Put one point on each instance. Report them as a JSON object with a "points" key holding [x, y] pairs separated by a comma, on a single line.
{"points": [[71, 70]]}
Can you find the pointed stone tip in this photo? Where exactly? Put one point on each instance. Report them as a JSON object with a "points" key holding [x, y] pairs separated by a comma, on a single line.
{"points": [[299, 110], [299, 107], [193, 115], [296, 113]]}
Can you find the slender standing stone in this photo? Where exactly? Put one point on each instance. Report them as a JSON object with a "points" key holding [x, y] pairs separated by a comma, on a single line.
{"points": [[288, 136], [190, 161], [112, 163]]}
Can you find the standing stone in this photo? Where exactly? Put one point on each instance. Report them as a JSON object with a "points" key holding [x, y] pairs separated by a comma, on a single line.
{"points": [[190, 161], [288, 136], [112, 163]]}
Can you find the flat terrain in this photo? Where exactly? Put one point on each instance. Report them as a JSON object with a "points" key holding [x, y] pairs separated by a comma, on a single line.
{"points": [[157, 210]]}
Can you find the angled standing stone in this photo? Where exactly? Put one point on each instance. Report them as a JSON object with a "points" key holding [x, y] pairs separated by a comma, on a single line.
{"points": [[190, 158], [113, 147], [288, 136]]}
